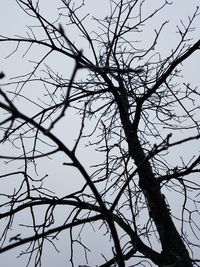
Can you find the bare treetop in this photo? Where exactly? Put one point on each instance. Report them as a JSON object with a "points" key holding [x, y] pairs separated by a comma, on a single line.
{"points": [[100, 132]]}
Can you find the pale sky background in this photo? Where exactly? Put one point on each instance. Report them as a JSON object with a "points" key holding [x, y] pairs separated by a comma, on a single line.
{"points": [[13, 22]]}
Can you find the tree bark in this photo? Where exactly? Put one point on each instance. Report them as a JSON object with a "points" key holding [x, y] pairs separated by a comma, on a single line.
{"points": [[174, 252]]}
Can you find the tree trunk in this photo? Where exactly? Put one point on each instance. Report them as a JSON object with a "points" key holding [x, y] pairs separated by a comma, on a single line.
{"points": [[174, 252]]}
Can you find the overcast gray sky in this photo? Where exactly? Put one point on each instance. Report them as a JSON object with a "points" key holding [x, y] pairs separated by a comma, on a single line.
{"points": [[13, 22]]}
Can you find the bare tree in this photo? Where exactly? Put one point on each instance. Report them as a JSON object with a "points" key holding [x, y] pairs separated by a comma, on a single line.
{"points": [[127, 171]]}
